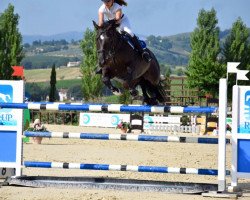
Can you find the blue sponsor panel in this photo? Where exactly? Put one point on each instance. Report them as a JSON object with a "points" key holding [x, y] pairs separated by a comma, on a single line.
{"points": [[7, 140], [244, 155]]}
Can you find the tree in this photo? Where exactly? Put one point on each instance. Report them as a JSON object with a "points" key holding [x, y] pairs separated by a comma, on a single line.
{"points": [[75, 92], [237, 49], [236, 46], [91, 83], [167, 84], [204, 69], [53, 92], [11, 50], [37, 93]]}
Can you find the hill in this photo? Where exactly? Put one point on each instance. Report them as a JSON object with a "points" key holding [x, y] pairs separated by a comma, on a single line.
{"points": [[63, 48], [68, 36], [42, 53]]}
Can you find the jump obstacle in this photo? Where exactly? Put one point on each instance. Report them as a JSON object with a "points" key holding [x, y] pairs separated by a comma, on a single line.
{"points": [[221, 172], [118, 108], [115, 108]]}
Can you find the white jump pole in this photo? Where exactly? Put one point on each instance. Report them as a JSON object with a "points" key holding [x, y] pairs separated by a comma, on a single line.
{"points": [[222, 135]]}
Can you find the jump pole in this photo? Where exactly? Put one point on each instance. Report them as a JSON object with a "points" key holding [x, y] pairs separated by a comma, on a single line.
{"points": [[124, 137], [131, 168], [222, 135], [110, 108]]}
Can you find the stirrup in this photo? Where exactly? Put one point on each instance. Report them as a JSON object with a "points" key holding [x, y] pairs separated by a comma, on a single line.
{"points": [[146, 56]]}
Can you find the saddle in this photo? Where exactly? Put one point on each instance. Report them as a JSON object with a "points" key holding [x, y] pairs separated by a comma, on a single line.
{"points": [[127, 38]]}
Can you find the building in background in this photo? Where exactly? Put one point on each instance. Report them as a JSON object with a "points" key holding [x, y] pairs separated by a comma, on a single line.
{"points": [[74, 64]]}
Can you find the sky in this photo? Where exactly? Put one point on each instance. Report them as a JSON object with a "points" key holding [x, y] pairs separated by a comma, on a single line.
{"points": [[147, 17]]}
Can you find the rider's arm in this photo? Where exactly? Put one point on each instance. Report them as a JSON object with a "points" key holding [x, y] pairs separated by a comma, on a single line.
{"points": [[118, 15], [100, 18]]}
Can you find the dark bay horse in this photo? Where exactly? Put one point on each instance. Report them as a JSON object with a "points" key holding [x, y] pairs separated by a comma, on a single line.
{"points": [[121, 62]]}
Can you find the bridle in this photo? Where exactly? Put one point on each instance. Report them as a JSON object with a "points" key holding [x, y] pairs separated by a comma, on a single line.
{"points": [[115, 44]]}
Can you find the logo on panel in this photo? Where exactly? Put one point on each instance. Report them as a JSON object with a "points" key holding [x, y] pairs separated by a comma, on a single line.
{"points": [[244, 114], [6, 115]]}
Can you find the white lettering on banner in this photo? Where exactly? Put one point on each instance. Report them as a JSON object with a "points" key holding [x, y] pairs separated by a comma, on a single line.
{"points": [[5, 117]]}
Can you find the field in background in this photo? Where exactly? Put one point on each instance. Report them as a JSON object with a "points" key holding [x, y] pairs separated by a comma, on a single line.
{"points": [[176, 87], [43, 75]]}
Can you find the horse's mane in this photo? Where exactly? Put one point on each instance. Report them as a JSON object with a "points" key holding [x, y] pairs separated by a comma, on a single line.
{"points": [[121, 2], [107, 24]]}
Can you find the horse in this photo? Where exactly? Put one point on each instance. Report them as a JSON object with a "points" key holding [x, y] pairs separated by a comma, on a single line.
{"points": [[120, 61]]}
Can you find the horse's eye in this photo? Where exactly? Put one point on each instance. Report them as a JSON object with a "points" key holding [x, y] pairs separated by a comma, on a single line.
{"points": [[102, 37]]}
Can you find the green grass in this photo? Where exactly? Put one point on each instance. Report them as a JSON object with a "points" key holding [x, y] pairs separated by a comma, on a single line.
{"points": [[68, 83], [64, 84], [43, 75]]}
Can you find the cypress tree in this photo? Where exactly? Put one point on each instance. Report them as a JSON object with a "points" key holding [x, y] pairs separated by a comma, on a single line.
{"points": [[53, 91]]}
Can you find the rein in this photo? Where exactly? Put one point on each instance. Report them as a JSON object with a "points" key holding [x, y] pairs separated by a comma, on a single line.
{"points": [[110, 53]]}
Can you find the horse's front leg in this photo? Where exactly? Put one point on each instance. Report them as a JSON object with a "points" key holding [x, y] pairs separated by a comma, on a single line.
{"points": [[108, 83]]}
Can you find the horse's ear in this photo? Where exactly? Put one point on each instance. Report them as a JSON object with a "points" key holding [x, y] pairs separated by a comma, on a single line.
{"points": [[95, 25]]}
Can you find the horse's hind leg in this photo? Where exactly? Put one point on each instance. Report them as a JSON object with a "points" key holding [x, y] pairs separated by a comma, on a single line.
{"points": [[161, 93], [147, 88], [146, 98]]}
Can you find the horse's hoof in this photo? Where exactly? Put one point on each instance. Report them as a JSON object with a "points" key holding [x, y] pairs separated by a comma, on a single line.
{"points": [[134, 93], [117, 92]]}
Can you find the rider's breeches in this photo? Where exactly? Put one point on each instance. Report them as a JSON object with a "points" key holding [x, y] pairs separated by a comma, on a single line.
{"points": [[125, 26]]}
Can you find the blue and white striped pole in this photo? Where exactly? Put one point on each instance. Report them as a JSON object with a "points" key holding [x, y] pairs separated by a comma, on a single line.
{"points": [[131, 168], [109, 108], [128, 137]]}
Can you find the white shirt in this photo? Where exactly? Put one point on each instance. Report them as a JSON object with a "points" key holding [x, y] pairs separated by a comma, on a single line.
{"points": [[110, 13]]}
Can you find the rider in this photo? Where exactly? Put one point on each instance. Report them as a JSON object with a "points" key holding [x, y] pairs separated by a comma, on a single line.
{"points": [[112, 9]]}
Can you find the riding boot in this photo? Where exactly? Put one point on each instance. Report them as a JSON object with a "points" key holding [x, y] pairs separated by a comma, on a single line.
{"points": [[145, 55], [98, 70]]}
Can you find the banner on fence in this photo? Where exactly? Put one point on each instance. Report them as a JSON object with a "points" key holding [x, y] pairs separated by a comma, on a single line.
{"points": [[111, 120]]}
